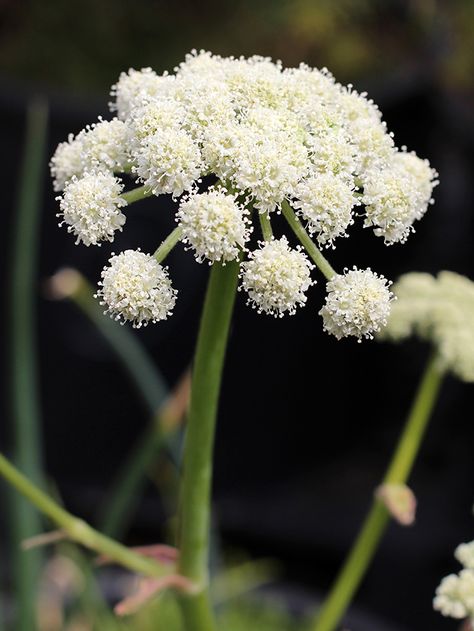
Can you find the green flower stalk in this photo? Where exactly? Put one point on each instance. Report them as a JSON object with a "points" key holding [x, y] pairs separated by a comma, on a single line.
{"points": [[439, 310]]}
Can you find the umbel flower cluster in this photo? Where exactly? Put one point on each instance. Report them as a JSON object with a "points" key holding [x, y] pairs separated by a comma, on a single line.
{"points": [[235, 141], [455, 594], [439, 310]]}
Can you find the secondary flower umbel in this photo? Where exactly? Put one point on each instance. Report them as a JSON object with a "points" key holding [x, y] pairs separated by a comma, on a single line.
{"points": [[231, 139]]}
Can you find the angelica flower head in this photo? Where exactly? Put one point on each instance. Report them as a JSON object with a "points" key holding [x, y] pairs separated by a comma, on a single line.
{"points": [[276, 278], [90, 207], [268, 140], [455, 595], [357, 304], [439, 310], [464, 553], [136, 288], [214, 224]]}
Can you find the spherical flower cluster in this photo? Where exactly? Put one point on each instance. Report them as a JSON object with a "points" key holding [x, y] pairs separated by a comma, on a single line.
{"points": [[90, 207], [326, 202], [276, 278], [214, 224], [439, 310], [455, 594], [136, 288], [357, 304]]}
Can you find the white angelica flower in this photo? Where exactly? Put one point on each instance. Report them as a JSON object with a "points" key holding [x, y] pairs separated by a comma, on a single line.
{"points": [[276, 278], [397, 195], [136, 88], [67, 162], [136, 288], [214, 225], [169, 162], [326, 202], [357, 304], [439, 310], [153, 118], [104, 145], [464, 553], [455, 595], [90, 207]]}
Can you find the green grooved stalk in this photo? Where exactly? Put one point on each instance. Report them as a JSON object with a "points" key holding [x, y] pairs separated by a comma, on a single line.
{"points": [[78, 530], [307, 242], [136, 194], [377, 519], [197, 465]]}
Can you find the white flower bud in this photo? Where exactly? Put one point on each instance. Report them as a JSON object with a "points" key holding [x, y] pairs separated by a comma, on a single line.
{"points": [[276, 278], [90, 207], [214, 225], [357, 304], [136, 288], [464, 553], [135, 88]]}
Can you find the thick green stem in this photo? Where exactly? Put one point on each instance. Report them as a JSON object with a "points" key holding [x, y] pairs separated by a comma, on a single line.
{"points": [[377, 519], [266, 226], [78, 530], [168, 244], [197, 465], [136, 194], [307, 242]]}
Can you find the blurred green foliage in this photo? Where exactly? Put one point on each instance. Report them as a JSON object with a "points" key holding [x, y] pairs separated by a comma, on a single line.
{"points": [[83, 46]]}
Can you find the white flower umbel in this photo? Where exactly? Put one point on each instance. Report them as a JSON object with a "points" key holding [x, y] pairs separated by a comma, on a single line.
{"points": [[464, 553], [397, 195], [169, 162], [276, 278], [136, 288], [439, 310], [326, 201], [357, 304], [90, 207], [455, 595], [214, 225]]}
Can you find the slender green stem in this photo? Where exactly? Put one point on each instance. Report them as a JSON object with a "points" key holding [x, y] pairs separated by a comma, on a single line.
{"points": [[266, 226], [168, 244], [377, 519], [136, 194], [197, 464], [25, 405], [320, 261], [76, 529]]}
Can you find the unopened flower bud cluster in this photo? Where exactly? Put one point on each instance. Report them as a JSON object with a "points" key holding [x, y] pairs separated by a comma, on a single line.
{"points": [[440, 310], [270, 136], [455, 594]]}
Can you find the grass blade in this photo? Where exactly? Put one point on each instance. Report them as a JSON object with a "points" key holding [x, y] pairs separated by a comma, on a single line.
{"points": [[26, 434]]}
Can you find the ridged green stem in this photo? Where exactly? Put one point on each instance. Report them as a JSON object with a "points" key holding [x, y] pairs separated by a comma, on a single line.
{"points": [[307, 242], [168, 244], [195, 500], [78, 530], [377, 519], [136, 194], [25, 405], [266, 226]]}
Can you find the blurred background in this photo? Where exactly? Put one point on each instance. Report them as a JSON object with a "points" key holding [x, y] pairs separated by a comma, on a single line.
{"points": [[306, 423]]}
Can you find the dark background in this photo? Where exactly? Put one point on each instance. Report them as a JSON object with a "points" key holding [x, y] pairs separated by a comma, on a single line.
{"points": [[306, 423]]}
